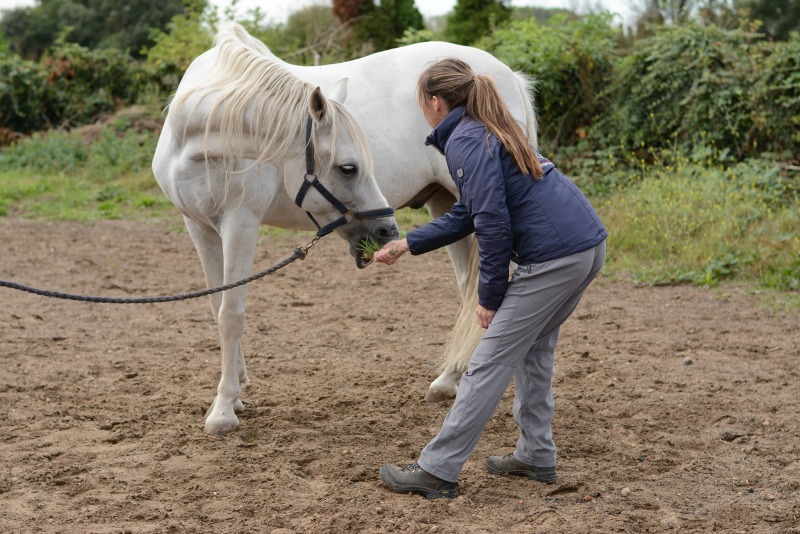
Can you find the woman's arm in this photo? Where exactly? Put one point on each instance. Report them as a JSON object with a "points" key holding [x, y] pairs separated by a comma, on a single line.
{"points": [[438, 233], [446, 230]]}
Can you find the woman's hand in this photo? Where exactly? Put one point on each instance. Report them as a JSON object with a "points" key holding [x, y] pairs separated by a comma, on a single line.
{"points": [[391, 251], [484, 316]]}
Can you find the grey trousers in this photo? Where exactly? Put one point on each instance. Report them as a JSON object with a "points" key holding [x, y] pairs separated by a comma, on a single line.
{"points": [[520, 344]]}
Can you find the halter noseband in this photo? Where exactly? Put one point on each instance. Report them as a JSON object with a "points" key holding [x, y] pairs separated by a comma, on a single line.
{"points": [[348, 215]]}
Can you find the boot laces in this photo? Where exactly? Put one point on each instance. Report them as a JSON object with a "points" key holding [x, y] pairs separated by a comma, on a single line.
{"points": [[411, 467]]}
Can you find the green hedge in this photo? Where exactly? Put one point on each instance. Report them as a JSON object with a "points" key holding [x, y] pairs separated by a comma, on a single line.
{"points": [[776, 116], [71, 85], [706, 93], [23, 93]]}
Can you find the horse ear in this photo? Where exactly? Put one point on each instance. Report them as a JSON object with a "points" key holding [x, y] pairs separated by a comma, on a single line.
{"points": [[339, 91], [317, 105]]}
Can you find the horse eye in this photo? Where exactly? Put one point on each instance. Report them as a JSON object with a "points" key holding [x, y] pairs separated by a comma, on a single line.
{"points": [[348, 170]]}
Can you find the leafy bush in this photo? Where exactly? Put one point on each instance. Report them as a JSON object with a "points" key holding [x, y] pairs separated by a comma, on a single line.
{"points": [[706, 93], [571, 62], [71, 85], [85, 83], [185, 37], [776, 107], [472, 19], [23, 92]]}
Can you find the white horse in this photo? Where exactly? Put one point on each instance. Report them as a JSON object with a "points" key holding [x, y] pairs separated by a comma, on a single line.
{"points": [[242, 135], [380, 91]]}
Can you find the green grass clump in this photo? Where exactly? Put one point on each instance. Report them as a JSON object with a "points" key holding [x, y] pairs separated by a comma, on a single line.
{"points": [[368, 247]]}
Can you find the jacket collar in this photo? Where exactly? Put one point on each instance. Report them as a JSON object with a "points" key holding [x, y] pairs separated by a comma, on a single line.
{"points": [[440, 135]]}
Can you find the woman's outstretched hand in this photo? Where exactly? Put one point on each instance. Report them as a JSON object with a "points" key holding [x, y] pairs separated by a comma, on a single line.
{"points": [[391, 251]]}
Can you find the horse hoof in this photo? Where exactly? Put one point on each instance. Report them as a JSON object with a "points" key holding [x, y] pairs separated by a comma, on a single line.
{"points": [[238, 406], [221, 426], [220, 430], [440, 394]]}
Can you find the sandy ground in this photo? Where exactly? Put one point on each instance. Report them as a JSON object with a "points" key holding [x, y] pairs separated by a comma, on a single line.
{"points": [[677, 407]]}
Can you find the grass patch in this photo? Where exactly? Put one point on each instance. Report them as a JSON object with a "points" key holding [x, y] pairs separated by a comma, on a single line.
{"points": [[62, 176], [697, 224], [408, 218], [368, 247]]}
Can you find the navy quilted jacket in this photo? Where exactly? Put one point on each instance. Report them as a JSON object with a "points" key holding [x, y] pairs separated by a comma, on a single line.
{"points": [[514, 217]]}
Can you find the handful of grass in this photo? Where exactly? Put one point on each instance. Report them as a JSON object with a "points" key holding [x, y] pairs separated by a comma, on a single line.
{"points": [[368, 247]]}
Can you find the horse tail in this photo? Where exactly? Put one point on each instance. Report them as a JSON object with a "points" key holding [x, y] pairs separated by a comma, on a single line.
{"points": [[527, 89], [466, 333]]}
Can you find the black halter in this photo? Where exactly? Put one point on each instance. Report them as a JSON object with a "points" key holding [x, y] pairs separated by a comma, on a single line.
{"points": [[310, 180]]}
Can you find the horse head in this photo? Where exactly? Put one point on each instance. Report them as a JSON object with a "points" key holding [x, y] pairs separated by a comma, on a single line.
{"points": [[333, 180]]}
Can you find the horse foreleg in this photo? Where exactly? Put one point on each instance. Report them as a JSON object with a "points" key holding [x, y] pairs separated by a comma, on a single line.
{"points": [[208, 244], [239, 237]]}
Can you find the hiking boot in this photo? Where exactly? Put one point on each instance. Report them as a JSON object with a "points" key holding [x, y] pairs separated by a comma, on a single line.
{"points": [[509, 465], [412, 478]]}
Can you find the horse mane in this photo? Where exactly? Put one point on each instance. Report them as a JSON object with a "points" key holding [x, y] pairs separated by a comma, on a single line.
{"points": [[251, 95]]}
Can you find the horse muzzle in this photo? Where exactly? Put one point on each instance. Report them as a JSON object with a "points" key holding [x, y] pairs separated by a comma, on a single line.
{"points": [[381, 232]]}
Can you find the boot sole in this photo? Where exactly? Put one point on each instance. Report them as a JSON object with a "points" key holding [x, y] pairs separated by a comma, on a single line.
{"points": [[531, 475], [428, 493]]}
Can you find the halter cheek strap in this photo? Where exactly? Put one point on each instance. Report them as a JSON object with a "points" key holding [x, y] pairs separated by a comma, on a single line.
{"points": [[310, 180]]}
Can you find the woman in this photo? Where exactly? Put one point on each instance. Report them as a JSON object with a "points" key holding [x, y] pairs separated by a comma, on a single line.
{"points": [[521, 209]]}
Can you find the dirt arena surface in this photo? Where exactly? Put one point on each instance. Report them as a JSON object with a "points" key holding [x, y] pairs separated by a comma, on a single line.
{"points": [[677, 408]]}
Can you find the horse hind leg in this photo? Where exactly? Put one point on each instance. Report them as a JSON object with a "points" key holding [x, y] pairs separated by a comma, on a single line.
{"points": [[463, 339], [466, 332]]}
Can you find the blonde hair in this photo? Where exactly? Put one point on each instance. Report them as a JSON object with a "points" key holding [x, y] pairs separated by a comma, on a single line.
{"points": [[454, 81]]}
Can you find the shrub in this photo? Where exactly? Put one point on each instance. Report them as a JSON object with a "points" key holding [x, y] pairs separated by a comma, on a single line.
{"points": [[23, 92], [710, 94], [571, 62], [71, 85], [776, 102], [84, 83], [186, 36]]}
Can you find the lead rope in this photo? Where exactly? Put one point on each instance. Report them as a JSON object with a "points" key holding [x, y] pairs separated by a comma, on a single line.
{"points": [[299, 253]]}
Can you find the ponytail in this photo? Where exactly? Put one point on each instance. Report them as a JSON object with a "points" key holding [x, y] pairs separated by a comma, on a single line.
{"points": [[457, 84]]}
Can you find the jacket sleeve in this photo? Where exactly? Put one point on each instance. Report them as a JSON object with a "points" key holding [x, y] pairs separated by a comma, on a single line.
{"points": [[483, 192], [441, 232]]}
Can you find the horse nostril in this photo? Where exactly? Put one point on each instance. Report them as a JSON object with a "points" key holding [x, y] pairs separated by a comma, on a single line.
{"points": [[387, 232]]}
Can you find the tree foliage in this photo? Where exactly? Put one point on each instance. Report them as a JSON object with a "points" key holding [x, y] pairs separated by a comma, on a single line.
{"points": [[378, 27], [472, 19], [90, 23], [311, 36], [185, 37], [780, 17]]}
